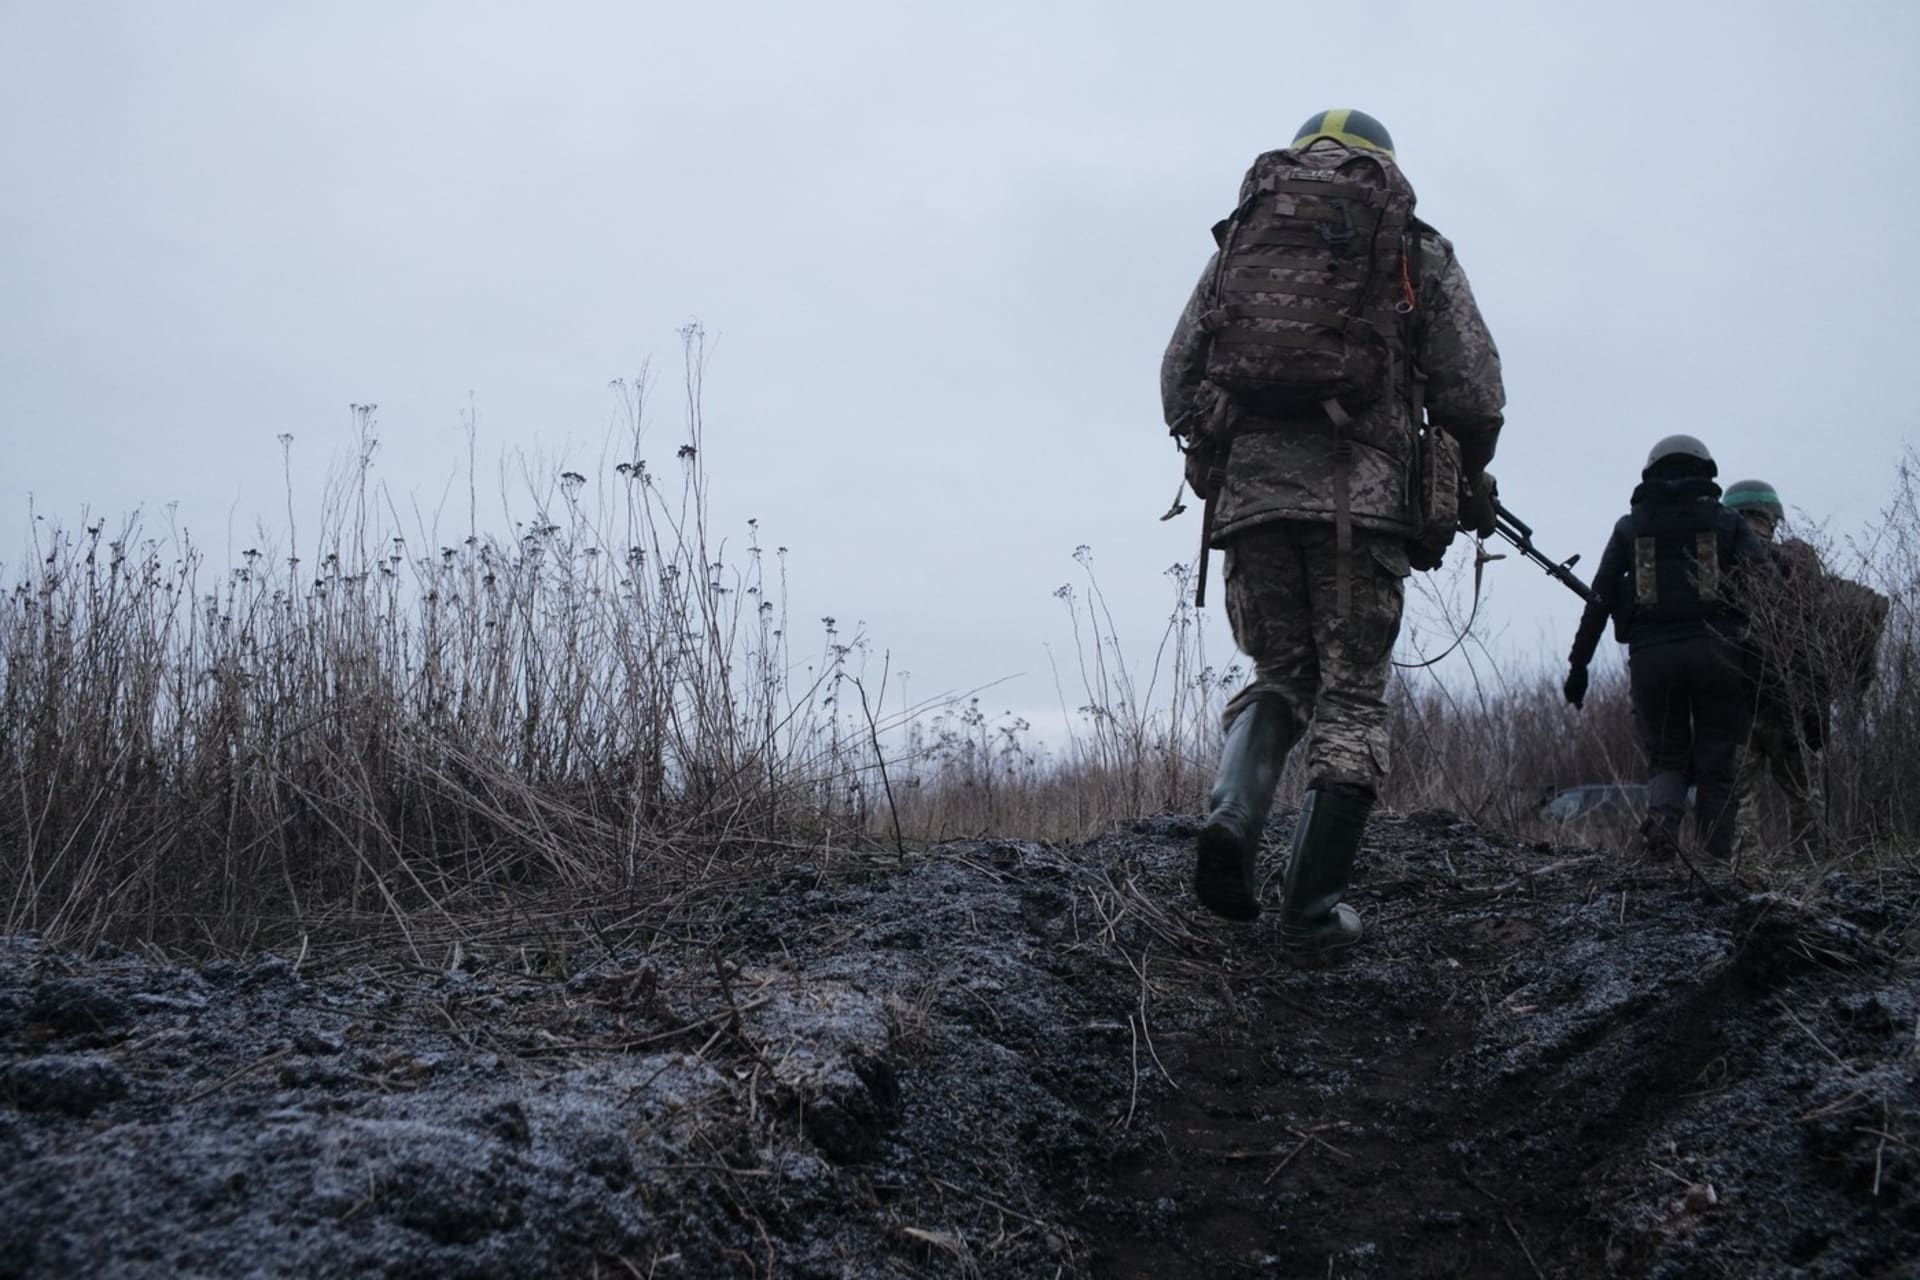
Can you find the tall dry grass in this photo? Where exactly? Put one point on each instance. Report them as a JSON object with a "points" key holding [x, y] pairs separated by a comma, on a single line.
{"points": [[1872, 755], [379, 720], [378, 726]]}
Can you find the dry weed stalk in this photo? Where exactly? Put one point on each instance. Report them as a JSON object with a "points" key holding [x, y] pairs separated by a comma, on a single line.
{"points": [[373, 723], [372, 727]]}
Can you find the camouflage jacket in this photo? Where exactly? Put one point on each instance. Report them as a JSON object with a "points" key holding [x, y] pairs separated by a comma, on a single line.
{"points": [[1284, 471], [1797, 679]]}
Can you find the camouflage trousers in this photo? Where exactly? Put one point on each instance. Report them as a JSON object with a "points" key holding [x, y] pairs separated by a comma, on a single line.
{"points": [[1332, 671], [1774, 750]]}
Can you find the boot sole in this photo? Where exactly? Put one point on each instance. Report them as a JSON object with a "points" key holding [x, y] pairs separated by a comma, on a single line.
{"points": [[1223, 876]]}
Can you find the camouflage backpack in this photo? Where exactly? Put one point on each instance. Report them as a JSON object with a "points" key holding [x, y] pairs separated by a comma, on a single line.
{"points": [[1840, 638], [1313, 284]]}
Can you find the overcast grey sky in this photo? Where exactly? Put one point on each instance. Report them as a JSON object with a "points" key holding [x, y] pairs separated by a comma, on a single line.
{"points": [[938, 250]]}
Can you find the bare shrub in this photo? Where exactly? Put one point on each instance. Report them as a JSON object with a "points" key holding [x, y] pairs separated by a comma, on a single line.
{"points": [[1138, 741], [1873, 746], [375, 728], [383, 723]]}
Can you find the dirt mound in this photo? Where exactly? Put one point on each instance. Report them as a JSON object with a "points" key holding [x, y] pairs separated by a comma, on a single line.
{"points": [[1010, 1059]]}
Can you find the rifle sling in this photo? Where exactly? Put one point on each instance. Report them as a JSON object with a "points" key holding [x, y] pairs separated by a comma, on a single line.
{"points": [[1220, 431], [1342, 510], [1206, 552]]}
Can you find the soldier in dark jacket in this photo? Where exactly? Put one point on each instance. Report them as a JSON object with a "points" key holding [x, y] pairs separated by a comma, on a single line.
{"points": [[1673, 578], [1316, 520]]}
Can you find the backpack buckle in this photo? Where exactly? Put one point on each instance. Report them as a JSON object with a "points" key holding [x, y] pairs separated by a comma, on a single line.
{"points": [[1341, 236]]}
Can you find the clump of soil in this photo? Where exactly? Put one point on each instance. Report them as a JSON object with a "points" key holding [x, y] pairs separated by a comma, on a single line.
{"points": [[1011, 1059]]}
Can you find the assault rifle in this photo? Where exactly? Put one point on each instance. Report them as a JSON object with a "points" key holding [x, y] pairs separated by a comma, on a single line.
{"points": [[1520, 534]]}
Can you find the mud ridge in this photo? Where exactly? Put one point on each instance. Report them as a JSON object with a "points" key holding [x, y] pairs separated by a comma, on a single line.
{"points": [[1004, 1058]]}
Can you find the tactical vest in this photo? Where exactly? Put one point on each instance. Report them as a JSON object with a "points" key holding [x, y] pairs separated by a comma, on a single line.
{"points": [[1679, 556]]}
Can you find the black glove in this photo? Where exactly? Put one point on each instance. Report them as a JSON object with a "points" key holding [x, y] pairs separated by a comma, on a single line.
{"points": [[1576, 686], [1477, 497]]}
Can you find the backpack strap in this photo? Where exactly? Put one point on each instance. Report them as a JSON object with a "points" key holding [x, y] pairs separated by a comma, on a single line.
{"points": [[1219, 436], [1212, 324], [1646, 579], [1342, 509], [1706, 560], [1412, 264]]}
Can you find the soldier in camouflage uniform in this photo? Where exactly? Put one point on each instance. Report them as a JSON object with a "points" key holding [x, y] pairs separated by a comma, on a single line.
{"points": [[1790, 719], [1321, 663]]}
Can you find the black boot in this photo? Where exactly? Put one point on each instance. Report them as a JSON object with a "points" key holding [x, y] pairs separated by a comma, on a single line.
{"points": [[1660, 836], [1250, 759], [1315, 926], [1666, 806]]}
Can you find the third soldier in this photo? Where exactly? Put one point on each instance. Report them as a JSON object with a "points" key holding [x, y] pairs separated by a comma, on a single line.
{"points": [[1790, 716]]}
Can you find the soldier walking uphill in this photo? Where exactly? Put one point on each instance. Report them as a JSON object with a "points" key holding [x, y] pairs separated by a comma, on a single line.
{"points": [[1817, 636], [1327, 329], [1673, 578], [1790, 715]]}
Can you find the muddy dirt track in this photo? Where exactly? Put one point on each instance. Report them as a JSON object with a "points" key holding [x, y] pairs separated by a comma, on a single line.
{"points": [[1009, 1059]]}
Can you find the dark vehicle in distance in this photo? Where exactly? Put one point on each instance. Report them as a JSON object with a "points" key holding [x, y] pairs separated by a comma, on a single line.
{"points": [[1599, 800]]}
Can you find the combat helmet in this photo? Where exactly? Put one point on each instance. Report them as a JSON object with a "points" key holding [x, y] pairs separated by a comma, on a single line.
{"points": [[1672, 449], [1754, 495], [1347, 127]]}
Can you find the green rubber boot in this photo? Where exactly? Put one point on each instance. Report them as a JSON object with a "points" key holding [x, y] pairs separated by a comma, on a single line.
{"points": [[1257, 744], [1315, 926]]}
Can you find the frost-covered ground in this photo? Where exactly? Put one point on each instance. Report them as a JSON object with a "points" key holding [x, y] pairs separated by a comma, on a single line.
{"points": [[1009, 1059]]}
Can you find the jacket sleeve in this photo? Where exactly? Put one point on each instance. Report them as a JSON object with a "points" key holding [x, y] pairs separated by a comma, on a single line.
{"points": [[1606, 588], [1465, 394], [1184, 366]]}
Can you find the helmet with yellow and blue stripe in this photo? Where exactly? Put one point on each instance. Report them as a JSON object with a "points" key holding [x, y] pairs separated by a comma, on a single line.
{"points": [[1346, 126]]}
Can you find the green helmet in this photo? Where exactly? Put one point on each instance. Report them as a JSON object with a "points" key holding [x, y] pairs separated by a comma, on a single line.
{"points": [[1675, 447], [1754, 495], [1346, 126]]}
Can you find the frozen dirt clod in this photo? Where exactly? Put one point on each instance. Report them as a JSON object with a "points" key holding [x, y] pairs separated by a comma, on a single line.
{"points": [[72, 1083], [1004, 1058]]}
